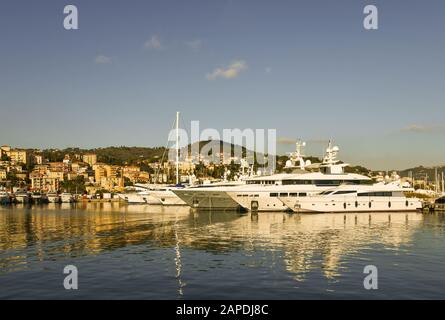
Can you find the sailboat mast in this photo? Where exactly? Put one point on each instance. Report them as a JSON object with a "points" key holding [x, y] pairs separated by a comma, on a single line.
{"points": [[177, 147]]}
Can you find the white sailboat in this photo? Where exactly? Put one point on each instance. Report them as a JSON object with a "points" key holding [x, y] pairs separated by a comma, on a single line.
{"points": [[165, 195]]}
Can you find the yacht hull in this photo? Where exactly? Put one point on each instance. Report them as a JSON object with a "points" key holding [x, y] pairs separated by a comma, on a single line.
{"points": [[168, 198], [352, 205], [207, 200], [257, 201], [141, 199]]}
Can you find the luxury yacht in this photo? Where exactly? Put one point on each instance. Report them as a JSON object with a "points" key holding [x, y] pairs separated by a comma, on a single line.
{"points": [[166, 196], [261, 194], [354, 198], [141, 197], [218, 196]]}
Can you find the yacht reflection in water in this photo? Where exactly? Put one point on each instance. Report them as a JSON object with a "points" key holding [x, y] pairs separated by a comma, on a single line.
{"points": [[300, 243]]}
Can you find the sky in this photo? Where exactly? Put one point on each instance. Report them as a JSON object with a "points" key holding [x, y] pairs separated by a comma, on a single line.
{"points": [[306, 68]]}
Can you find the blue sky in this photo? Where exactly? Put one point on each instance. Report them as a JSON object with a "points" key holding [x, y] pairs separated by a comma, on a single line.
{"points": [[306, 68]]}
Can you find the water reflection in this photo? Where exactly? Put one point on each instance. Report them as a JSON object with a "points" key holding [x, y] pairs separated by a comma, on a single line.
{"points": [[301, 242]]}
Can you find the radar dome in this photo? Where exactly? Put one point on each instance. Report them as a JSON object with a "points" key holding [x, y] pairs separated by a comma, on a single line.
{"points": [[335, 148], [308, 162], [288, 163]]}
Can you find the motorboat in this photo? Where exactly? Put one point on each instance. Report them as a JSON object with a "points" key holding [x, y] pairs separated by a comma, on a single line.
{"points": [[54, 197], [66, 197]]}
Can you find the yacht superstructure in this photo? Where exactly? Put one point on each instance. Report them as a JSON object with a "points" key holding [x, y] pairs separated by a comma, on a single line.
{"points": [[261, 195]]}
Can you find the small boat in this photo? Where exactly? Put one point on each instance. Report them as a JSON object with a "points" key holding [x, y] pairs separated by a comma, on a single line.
{"points": [[22, 196], [39, 198], [53, 197], [4, 198], [439, 204], [67, 197]]}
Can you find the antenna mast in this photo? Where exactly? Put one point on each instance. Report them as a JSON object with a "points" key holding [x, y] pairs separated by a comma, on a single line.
{"points": [[177, 148]]}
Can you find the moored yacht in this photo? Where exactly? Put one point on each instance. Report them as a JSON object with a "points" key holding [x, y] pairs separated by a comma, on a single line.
{"points": [[167, 197], [39, 197], [66, 197], [209, 197], [354, 198], [219, 197], [22, 196], [262, 194], [53, 197], [4, 198], [141, 197]]}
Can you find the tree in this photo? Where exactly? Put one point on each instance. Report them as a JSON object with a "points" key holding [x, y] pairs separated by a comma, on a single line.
{"points": [[73, 186]]}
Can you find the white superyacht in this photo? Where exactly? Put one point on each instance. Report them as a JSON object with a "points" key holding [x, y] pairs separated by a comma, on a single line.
{"points": [[218, 196], [261, 195]]}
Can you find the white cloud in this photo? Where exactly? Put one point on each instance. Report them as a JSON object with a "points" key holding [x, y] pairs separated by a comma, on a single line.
{"points": [[424, 128], [154, 43], [194, 44], [230, 72], [103, 59]]}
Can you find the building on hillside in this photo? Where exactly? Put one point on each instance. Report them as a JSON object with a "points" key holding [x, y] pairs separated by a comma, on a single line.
{"points": [[18, 156], [79, 167], [3, 174], [43, 182], [90, 158], [38, 159], [4, 150], [59, 166]]}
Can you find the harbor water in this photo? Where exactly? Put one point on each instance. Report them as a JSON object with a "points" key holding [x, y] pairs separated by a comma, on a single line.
{"points": [[150, 252]]}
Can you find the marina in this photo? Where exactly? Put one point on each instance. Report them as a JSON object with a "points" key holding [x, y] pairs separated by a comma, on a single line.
{"points": [[222, 150]]}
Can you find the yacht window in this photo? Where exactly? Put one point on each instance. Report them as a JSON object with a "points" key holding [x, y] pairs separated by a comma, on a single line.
{"points": [[274, 194], [303, 194], [293, 194], [284, 194], [344, 192], [375, 194]]}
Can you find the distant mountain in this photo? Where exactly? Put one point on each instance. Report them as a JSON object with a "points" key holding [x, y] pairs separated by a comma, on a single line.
{"points": [[135, 155], [421, 172]]}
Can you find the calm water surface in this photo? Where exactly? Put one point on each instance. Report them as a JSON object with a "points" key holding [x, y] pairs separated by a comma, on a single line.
{"points": [[149, 252]]}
